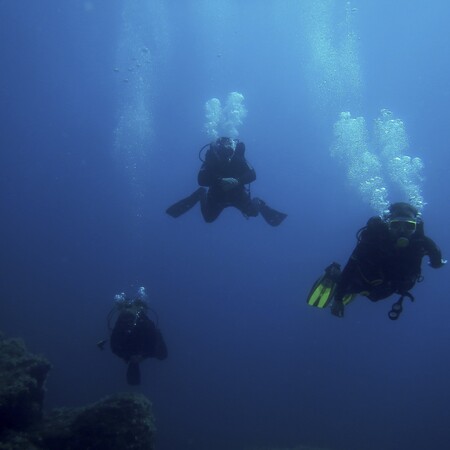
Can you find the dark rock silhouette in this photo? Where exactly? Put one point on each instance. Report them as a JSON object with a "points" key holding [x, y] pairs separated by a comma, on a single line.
{"points": [[22, 378], [121, 421]]}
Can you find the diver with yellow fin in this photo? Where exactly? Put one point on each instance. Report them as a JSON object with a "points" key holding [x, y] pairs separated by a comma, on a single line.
{"points": [[386, 260]]}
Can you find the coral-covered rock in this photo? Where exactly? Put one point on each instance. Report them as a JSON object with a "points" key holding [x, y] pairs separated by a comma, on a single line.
{"points": [[122, 421], [14, 440], [22, 377]]}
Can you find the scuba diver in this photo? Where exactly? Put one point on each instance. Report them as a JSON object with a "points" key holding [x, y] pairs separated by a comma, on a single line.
{"points": [[225, 172], [134, 336], [386, 260]]}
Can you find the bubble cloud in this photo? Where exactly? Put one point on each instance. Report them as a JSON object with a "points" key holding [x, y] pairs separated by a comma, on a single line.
{"points": [[225, 121]]}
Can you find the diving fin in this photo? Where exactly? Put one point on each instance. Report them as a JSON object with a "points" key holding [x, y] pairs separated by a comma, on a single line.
{"points": [[323, 289], [184, 205], [133, 374], [270, 215]]}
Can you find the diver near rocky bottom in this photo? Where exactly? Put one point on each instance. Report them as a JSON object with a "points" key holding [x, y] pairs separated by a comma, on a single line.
{"points": [[134, 336]]}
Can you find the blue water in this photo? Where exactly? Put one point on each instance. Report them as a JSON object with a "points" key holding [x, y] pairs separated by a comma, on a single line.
{"points": [[89, 162]]}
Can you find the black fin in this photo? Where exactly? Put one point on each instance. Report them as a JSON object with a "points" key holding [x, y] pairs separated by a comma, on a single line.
{"points": [[271, 216], [133, 374], [184, 205]]}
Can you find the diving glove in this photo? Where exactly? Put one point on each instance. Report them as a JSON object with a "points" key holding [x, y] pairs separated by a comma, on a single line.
{"points": [[441, 263]]}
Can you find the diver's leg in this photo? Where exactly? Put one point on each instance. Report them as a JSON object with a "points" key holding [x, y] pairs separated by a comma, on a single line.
{"points": [[210, 208], [249, 207], [133, 374], [353, 280]]}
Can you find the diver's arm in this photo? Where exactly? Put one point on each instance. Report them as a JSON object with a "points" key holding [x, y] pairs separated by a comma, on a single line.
{"points": [[248, 174], [434, 253], [207, 176]]}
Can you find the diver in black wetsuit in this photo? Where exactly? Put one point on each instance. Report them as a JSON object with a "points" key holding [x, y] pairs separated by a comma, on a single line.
{"points": [[387, 259], [226, 173], [134, 336]]}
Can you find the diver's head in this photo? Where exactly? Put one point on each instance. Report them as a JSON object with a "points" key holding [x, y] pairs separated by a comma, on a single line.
{"points": [[120, 299], [225, 146], [139, 302], [402, 219]]}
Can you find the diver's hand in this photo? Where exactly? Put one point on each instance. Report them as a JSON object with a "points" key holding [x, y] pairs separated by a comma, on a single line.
{"points": [[442, 263], [337, 308], [228, 183]]}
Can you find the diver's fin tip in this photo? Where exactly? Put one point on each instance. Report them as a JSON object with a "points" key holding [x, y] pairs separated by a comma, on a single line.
{"points": [[270, 215], [184, 205]]}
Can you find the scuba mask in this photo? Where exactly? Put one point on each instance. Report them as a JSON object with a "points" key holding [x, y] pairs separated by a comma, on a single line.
{"points": [[401, 229], [225, 148], [402, 219]]}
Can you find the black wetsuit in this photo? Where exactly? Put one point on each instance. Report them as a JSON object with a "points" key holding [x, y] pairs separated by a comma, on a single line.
{"points": [[213, 170], [134, 338], [134, 334], [378, 268]]}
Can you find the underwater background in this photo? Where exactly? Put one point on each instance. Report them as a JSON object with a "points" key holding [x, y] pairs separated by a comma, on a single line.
{"points": [[344, 107]]}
